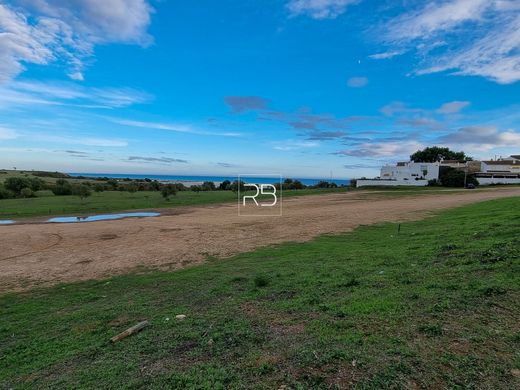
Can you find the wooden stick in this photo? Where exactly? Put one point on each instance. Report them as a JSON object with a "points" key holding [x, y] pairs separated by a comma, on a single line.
{"points": [[129, 331]]}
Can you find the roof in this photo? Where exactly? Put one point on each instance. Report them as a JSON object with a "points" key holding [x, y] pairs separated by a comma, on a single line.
{"points": [[516, 156], [502, 162]]}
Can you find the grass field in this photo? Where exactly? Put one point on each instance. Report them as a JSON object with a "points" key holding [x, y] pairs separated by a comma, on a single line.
{"points": [[109, 201], [434, 306]]}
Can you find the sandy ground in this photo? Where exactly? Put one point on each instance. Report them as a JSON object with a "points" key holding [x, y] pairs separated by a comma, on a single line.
{"points": [[44, 254]]}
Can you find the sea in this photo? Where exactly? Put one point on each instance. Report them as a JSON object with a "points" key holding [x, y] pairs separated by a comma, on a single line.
{"points": [[215, 179]]}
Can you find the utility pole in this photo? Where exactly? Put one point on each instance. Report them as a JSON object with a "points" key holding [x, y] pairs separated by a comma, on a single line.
{"points": [[466, 175]]}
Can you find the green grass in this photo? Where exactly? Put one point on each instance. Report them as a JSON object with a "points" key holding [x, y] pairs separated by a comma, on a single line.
{"points": [[435, 306], [109, 201]]}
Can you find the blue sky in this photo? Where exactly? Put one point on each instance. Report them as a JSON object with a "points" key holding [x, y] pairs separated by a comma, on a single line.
{"points": [[296, 87]]}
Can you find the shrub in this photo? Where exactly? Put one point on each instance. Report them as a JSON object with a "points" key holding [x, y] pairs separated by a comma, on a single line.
{"points": [[236, 185], [82, 191], [208, 186], [225, 185], [455, 178], [26, 192], [5, 193], [16, 184], [168, 190], [62, 187]]}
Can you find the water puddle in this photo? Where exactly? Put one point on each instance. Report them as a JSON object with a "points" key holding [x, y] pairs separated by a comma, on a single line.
{"points": [[6, 222], [102, 217]]}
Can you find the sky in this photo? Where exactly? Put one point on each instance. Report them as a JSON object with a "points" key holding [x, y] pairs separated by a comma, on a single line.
{"points": [[301, 88]]}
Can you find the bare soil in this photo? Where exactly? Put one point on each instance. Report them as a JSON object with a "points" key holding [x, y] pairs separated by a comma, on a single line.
{"points": [[45, 254]]}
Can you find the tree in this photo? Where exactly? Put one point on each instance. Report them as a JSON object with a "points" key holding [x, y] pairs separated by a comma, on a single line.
{"points": [[16, 184], [435, 153], [62, 187], [5, 193], [225, 185], [236, 185], [323, 184], [82, 191], [98, 187], [208, 186], [452, 177], [196, 188], [168, 190]]}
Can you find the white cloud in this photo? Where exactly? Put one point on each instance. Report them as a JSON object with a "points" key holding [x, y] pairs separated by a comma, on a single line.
{"points": [[6, 134], [85, 141], [319, 9], [399, 108], [386, 55], [383, 149], [436, 16], [357, 82], [291, 144], [45, 31], [28, 93], [452, 107], [471, 37], [482, 137], [180, 128]]}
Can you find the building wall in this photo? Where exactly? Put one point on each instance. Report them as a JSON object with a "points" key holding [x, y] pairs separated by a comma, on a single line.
{"points": [[410, 171], [483, 181], [390, 183]]}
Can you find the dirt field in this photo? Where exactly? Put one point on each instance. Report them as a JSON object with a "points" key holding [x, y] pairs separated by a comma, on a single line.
{"points": [[43, 254]]}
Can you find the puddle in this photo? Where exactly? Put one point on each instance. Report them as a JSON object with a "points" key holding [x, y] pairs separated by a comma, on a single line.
{"points": [[103, 217], [6, 222]]}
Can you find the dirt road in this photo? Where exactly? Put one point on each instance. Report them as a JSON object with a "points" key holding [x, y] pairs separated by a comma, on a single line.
{"points": [[43, 254]]}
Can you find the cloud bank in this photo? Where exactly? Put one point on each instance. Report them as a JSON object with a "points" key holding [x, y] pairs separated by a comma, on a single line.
{"points": [[47, 31]]}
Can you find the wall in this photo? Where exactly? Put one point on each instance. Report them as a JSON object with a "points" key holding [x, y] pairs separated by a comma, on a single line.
{"points": [[494, 180], [410, 171], [390, 183]]}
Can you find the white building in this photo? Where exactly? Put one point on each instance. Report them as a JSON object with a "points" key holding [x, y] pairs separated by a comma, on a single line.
{"points": [[500, 171], [404, 174]]}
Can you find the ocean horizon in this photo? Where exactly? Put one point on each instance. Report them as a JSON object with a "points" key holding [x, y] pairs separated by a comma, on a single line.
{"points": [[215, 179]]}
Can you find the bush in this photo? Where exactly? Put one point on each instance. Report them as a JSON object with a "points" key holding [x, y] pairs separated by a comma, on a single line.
{"points": [[5, 193], [43, 193], [290, 184], [16, 184], [62, 187], [208, 186], [455, 178], [225, 185], [168, 190], [236, 185], [26, 192], [82, 191]]}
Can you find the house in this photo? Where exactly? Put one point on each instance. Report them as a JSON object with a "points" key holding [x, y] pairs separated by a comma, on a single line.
{"points": [[409, 173], [500, 171], [404, 174]]}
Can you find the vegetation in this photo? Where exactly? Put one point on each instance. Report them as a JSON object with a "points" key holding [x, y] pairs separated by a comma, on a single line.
{"points": [[168, 190], [62, 184], [433, 304], [450, 177], [435, 153], [109, 201]]}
